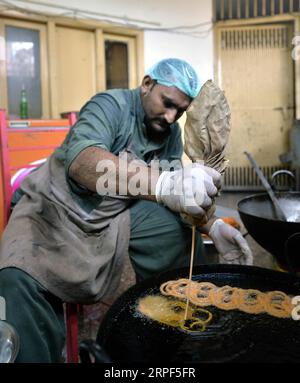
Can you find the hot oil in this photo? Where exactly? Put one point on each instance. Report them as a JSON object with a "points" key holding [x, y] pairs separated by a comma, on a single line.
{"points": [[171, 311], [291, 208], [163, 309]]}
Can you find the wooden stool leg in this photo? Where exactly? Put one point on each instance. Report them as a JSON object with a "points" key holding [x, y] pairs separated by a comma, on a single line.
{"points": [[72, 332]]}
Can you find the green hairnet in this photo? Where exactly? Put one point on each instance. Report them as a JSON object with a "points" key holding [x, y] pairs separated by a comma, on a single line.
{"points": [[178, 73]]}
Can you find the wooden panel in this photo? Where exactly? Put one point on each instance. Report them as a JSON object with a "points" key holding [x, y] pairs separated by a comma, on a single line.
{"points": [[100, 60], [262, 100], [76, 68], [264, 7], [53, 85]]}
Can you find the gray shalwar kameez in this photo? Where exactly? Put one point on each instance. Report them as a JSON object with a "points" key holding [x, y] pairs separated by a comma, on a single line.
{"points": [[66, 243]]}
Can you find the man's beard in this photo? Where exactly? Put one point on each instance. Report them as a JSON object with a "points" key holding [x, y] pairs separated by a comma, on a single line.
{"points": [[155, 133]]}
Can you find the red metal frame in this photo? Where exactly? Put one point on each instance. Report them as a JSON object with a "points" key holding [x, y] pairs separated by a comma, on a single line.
{"points": [[72, 332], [7, 190], [71, 309]]}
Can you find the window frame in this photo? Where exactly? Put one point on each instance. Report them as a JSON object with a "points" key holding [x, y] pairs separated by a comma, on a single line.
{"points": [[132, 69], [43, 61], [47, 26]]}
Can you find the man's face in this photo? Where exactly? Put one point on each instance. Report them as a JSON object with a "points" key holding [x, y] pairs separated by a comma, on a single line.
{"points": [[163, 105]]}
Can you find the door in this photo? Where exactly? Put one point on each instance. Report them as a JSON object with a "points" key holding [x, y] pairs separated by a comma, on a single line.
{"points": [[76, 67], [255, 69]]}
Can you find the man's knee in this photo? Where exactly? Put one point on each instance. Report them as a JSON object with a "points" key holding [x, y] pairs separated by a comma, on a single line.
{"points": [[10, 278], [159, 240], [14, 281], [150, 217], [36, 315]]}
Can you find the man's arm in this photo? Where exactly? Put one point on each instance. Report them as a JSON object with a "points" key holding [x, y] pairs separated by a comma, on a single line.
{"points": [[189, 190], [83, 170]]}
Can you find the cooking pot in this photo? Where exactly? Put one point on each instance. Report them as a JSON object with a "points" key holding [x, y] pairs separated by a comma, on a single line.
{"points": [[280, 238], [232, 336]]}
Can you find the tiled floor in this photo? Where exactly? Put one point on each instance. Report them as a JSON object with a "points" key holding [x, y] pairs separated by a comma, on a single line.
{"points": [[93, 315]]}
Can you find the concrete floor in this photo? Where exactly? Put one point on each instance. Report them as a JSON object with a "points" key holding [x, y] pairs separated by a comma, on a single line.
{"points": [[262, 258], [91, 316]]}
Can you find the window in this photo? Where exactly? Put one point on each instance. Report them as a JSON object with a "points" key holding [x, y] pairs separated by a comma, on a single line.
{"points": [[62, 63], [116, 63], [25, 65], [23, 70], [120, 62], [243, 9]]}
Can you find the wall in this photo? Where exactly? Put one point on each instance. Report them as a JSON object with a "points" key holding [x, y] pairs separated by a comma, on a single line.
{"points": [[194, 44]]}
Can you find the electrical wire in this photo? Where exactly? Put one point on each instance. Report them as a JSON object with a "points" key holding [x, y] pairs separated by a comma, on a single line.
{"points": [[81, 15]]}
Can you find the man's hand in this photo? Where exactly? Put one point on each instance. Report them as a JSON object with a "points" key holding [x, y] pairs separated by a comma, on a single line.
{"points": [[188, 190], [231, 245]]}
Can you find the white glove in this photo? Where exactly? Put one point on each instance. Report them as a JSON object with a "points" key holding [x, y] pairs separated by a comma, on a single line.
{"points": [[231, 245], [188, 190], [195, 221]]}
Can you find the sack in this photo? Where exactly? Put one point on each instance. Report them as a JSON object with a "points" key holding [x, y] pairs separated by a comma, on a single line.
{"points": [[207, 128]]}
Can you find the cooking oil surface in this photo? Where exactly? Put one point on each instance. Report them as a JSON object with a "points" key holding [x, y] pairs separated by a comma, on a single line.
{"points": [[171, 311]]}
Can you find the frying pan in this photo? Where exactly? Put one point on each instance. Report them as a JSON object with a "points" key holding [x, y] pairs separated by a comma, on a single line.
{"points": [[280, 238], [232, 336]]}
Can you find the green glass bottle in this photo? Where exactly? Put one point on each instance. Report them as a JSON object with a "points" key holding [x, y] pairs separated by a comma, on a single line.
{"points": [[23, 104]]}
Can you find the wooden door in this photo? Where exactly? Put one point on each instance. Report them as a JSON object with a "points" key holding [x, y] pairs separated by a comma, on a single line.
{"points": [[255, 69], [76, 67]]}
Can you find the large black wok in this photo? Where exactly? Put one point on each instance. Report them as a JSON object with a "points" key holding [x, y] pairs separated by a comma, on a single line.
{"points": [[232, 336], [280, 238]]}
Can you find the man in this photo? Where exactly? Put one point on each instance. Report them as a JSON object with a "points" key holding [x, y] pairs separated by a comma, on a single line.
{"points": [[97, 197]]}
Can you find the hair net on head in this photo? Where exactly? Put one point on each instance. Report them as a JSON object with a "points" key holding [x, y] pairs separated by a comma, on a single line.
{"points": [[178, 73]]}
